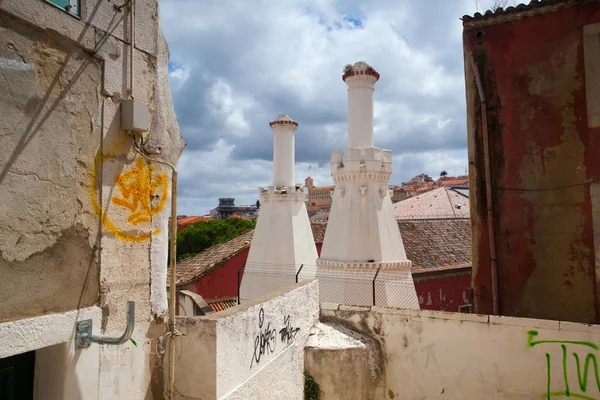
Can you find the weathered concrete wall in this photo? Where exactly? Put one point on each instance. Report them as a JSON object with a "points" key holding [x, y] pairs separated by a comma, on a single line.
{"points": [[437, 355], [543, 159], [83, 218], [252, 351]]}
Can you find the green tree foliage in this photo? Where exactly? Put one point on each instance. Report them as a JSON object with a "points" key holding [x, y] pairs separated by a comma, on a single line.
{"points": [[443, 173], [204, 234]]}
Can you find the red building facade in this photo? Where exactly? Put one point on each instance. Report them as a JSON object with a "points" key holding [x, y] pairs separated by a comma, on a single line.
{"points": [[538, 71]]}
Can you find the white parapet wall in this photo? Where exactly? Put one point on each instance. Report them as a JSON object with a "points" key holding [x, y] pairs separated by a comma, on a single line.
{"points": [[438, 355], [252, 351]]}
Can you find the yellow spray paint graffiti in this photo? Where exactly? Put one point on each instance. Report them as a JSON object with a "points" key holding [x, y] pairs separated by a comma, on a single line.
{"points": [[139, 190]]}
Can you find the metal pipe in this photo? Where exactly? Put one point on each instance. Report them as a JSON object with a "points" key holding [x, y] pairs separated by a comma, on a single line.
{"points": [[172, 291], [374, 278], [298, 273], [131, 48], [488, 193], [128, 329], [172, 268], [239, 282]]}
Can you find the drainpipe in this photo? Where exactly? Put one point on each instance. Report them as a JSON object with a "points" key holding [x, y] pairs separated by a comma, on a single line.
{"points": [[488, 193], [172, 331], [132, 48]]}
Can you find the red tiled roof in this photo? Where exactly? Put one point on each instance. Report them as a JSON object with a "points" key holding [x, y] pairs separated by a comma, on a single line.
{"points": [[438, 203], [191, 220], [221, 305], [438, 242], [522, 10], [318, 231], [324, 188], [455, 182], [195, 267]]}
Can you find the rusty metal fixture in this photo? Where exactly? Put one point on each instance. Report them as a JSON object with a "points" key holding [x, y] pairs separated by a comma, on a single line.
{"points": [[488, 193]]}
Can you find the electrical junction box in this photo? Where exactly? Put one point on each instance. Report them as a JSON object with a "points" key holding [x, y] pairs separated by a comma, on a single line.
{"points": [[134, 116]]}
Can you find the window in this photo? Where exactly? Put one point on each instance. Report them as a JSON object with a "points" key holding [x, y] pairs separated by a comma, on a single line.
{"points": [[69, 6]]}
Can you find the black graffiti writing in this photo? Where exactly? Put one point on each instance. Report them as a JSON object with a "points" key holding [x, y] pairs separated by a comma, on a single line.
{"points": [[265, 340], [288, 333]]}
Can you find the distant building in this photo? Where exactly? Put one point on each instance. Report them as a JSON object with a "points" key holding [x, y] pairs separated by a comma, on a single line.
{"points": [[318, 196], [227, 208]]}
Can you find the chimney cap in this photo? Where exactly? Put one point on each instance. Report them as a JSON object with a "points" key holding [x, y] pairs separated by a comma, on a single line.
{"points": [[283, 119], [359, 68]]}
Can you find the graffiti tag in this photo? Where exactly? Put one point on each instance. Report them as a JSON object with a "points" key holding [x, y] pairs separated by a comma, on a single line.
{"points": [[579, 391], [288, 333], [266, 339]]}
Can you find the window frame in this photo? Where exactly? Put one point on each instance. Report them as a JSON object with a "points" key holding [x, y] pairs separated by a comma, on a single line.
{"points": [[73, 9]]}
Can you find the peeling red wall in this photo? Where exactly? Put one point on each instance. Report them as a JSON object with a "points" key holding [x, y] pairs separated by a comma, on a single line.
{"points": [[444, 292], [222, 283], [543, 157]]}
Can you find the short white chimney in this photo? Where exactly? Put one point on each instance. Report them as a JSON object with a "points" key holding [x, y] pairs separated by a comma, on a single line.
{"points": [[283, 248], [283, 151]]}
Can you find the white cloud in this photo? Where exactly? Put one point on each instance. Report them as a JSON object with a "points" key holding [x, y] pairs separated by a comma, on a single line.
{"points": [[238, 64]]}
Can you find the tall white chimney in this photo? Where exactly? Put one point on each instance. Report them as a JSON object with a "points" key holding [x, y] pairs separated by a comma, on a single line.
{"points": [[283, 247], [363, 261], [283, 151], [360, 78]]}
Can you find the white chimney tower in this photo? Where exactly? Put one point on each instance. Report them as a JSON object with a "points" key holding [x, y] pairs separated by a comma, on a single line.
{"points": [[282, 246], [362, 248]]}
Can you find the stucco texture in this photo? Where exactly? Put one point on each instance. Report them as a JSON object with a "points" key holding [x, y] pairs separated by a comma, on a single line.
{"points": [[83, 217], [437, 355], [543, 158], [49, 133]]}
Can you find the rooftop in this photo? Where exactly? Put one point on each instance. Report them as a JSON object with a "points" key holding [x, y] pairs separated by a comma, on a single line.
{"points": [[535, 7], [201, 264], [432, 245], [439, 203]]}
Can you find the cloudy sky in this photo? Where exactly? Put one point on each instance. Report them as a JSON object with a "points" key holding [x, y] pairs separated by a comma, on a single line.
{"points": [[237, 64]]}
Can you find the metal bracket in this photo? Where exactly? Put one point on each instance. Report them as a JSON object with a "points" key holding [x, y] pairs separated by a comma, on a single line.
{"points": [[84, 337]]}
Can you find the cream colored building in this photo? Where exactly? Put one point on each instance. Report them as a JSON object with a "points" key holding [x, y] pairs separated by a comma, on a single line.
{"points": [[83, 216]]}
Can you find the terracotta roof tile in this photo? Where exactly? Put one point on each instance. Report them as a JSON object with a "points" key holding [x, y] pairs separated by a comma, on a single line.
{"points": [[318, 231], [221, 305], [534, 7], [323, 188], [195, 267], [438, 203], [437, 242], [191, 220]]}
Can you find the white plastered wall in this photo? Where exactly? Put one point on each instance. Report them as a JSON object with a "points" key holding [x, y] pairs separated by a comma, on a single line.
{"points": [[222, 356]]}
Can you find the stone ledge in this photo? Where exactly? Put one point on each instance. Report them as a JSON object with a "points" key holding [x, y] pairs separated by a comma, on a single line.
{"points": [[329, 306], [526, 322], [344, 307]]}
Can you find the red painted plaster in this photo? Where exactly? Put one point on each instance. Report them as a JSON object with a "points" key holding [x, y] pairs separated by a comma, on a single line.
{"points": [[444, 293], [533, 75], [222, 282]]}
